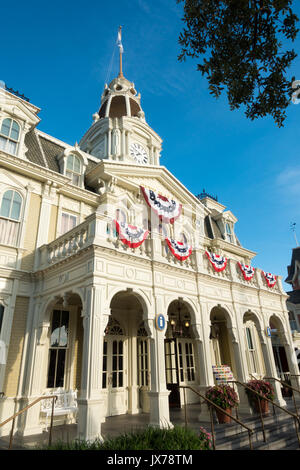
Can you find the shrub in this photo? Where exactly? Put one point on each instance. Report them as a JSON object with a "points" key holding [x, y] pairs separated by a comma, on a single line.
{"points": [[265, 389], [223, 395], [178, 438]]}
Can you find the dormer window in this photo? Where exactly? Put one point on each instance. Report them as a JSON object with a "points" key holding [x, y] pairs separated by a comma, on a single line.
{"points": [[229, 234], [9, 136], [73, 164], [73, 169]]}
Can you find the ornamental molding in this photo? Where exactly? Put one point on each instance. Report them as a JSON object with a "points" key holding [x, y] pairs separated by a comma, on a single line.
{"points": [[170, 184], [34, 171], [17, 110], [227, 248]]}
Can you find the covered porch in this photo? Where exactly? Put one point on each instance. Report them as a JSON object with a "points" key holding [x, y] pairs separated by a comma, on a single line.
{"points": [[112, 427]]}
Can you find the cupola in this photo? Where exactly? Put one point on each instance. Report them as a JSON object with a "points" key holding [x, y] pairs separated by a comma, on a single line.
{"points": [[120, 99]]}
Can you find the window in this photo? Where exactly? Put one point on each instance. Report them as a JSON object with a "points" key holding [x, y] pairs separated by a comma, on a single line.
{"points": [[251, 351], [121, 216], [190, 366], [10, 211], [68, 221], [9, 136], [58, 348], [73, 169], [293, 322], [229, 234], [143, 361], [1, 316]]}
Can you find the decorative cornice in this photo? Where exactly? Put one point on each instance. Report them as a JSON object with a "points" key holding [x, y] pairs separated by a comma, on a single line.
{"points": [[34, 171]]}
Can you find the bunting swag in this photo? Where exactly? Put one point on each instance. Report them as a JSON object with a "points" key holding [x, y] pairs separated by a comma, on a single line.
{"points": [[219, 262], [130, 235], [248, 271], [270, 278], [180, 250], [167, 210]]}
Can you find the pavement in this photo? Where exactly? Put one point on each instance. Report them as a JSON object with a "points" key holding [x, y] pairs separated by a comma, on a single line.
{"points": [[112, 427]]}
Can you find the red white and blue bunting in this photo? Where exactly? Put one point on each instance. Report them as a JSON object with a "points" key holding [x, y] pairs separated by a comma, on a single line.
{"points": [[219, 262], [130, 235], [180, 250], [270, 278], [168, 210], [248, 271]]}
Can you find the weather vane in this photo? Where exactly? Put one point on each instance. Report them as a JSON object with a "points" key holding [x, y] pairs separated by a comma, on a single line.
{"points": [[293, 229]]}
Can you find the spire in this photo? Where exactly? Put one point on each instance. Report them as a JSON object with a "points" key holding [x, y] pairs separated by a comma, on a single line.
{"points": [[120, 45]]}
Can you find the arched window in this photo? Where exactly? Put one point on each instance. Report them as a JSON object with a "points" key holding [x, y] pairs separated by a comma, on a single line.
{"points": [[10, 212], [73, 169], [9, 136], [11, 205]]}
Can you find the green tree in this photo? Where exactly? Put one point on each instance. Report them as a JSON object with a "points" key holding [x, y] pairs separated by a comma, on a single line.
{"points": [[241, 45]]}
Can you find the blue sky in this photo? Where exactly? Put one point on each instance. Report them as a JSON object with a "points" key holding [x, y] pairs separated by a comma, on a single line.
{"points": [[58, 54]]}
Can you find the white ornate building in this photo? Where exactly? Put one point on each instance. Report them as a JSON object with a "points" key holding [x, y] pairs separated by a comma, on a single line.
{"points": [[79, 307]]}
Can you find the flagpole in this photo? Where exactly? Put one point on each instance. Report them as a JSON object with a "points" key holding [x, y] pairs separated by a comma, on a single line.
{"points": [[120, 38]]}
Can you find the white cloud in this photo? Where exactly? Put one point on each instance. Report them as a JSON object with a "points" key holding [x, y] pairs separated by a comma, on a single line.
{"points": [[289, 180]]}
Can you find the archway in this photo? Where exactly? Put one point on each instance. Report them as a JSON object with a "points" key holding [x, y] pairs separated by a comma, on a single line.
{"points": [[279, 350], [253, 348], [126, 361], [180, 361], [64, 343], [221, 344]]}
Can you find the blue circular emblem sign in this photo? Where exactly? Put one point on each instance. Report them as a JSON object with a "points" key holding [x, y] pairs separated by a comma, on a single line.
{"points": [[160, 322]]}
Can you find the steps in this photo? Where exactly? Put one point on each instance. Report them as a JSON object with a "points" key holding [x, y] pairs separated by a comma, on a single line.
{"points": [[280, 433]]}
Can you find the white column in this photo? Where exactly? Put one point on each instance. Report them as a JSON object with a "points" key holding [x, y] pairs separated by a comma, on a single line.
{"points": [[90, 402], [158, 395], [33, 365], [44, 220], [239, 347], [271, 369], [133, 392]]}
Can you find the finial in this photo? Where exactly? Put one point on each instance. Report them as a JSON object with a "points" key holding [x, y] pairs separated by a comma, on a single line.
{"points": [[120, 45]]}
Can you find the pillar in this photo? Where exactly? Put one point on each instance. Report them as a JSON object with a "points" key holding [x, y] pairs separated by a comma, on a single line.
{"points": [[158, 395], [90, 403], [271, 368]]}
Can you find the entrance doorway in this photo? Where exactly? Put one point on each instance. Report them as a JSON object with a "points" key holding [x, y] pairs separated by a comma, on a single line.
{"points": [[125, 366], [113, 375], [279, 352], [179, 355], [221, 347]]}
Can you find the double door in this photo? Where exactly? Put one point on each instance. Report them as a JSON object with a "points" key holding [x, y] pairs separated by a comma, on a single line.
{"points": [[180, 368], [114, 375]]}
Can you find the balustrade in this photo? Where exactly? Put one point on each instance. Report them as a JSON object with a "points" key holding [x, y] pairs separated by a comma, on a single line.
{"points": [[99, 229]]}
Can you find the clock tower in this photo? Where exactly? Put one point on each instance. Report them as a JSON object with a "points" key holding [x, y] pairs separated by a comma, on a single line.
{"points": [[119, 131]]}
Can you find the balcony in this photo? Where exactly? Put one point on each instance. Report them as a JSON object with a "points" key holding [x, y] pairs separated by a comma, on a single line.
{"points": [[98, 230]]}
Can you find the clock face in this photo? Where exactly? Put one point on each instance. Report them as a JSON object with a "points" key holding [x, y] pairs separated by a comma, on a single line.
{"points": [[138, 153]]}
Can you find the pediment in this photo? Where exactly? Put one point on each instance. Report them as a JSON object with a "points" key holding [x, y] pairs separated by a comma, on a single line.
{"points": [[17, 109], [7, 180], [156, 178]]}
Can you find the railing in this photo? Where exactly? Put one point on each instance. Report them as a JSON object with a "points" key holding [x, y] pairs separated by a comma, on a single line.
{"points": [[98, 229], [293, 389], [210, 405], [260, 396], [13, 418]]}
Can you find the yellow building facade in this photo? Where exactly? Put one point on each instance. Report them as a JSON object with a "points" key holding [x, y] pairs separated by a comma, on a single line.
{"points": [[102, 294]]}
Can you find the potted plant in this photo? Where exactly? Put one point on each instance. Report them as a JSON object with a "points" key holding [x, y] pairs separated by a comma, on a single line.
{"points": [[225, 397], [265, 390]]}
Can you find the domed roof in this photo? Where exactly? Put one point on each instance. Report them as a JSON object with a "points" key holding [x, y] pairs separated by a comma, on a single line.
{"points": [[120, 99]]}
